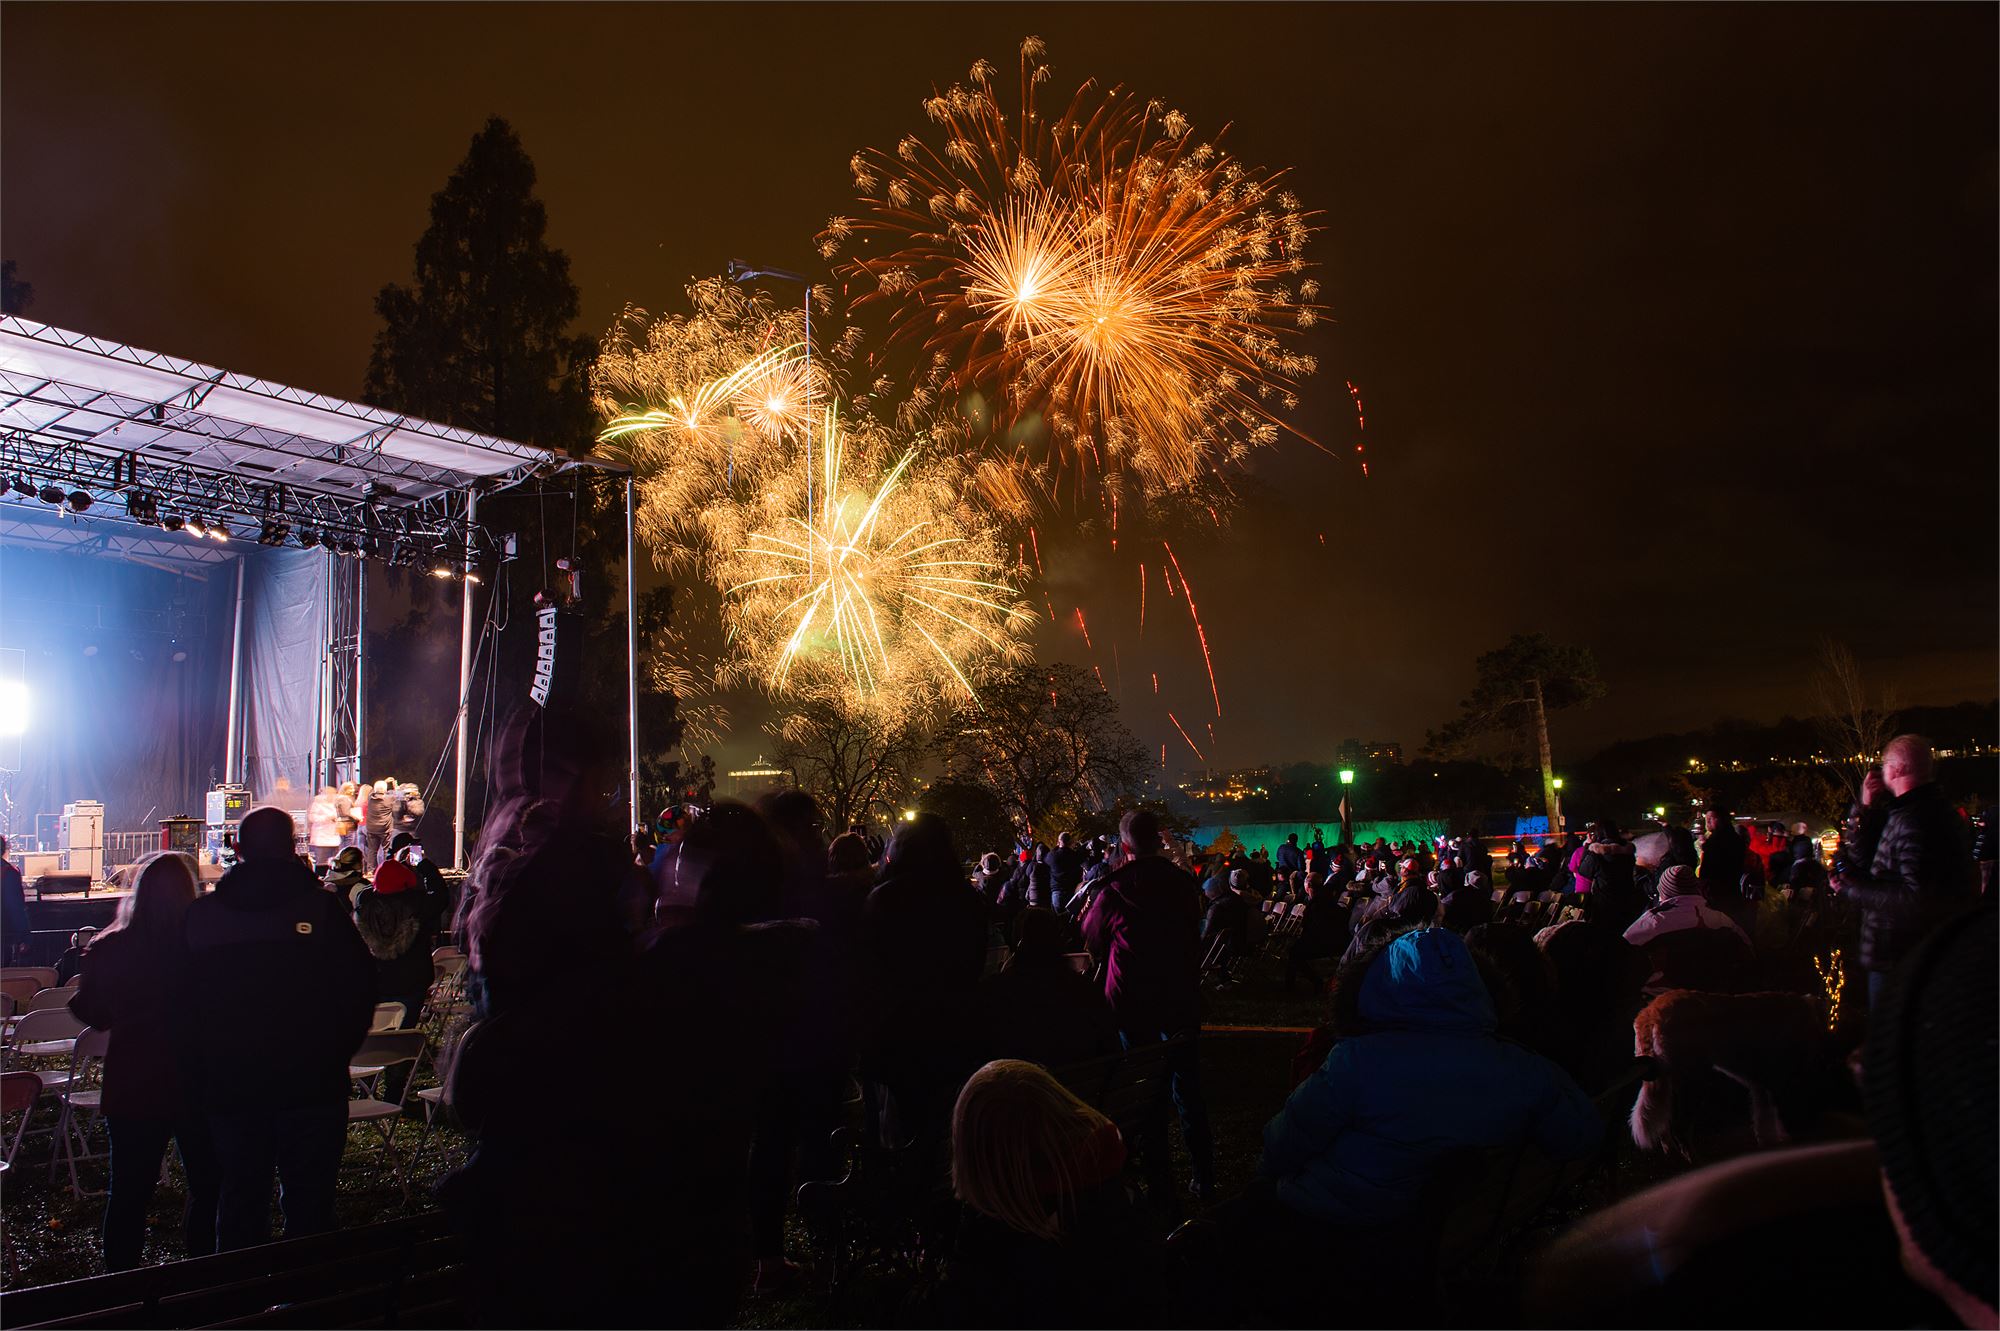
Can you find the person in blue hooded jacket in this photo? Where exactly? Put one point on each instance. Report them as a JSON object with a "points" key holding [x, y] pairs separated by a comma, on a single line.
{"points": [[1421, 1076]]}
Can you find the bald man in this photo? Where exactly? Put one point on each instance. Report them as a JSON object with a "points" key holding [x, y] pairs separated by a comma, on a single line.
{"points": [[1907, 860]]}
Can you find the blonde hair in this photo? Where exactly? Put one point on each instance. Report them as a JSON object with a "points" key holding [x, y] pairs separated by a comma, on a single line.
{"points": [[161, 893], [1015, 1137]]}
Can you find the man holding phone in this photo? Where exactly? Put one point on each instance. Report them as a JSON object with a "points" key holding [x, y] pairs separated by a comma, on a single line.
{"points": [[1906, 859]]}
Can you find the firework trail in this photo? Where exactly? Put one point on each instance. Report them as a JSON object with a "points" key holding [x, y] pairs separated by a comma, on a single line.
{"points": [[1360, 426], [1199, 631], [1184, 735]]}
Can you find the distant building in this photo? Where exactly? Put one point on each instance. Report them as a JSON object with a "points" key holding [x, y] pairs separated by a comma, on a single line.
{"points": [[1228, 787], [747, 783], [1375, 755]]}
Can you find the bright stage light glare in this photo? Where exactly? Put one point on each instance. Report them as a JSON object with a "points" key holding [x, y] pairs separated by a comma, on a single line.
{"points": [[13, 707]]}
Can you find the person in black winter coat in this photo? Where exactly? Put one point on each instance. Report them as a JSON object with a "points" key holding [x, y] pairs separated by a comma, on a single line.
{"points": [[1721, 870], [923, 939], [397, 918], [1323, 934], [1907, 860], [282, 992], [1038, 1007]]}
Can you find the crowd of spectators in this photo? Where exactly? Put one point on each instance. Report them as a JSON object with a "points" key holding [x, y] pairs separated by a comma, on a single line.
{"points": [[756, 987]]}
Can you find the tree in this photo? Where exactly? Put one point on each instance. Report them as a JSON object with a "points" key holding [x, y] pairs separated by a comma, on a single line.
{"points": [[1044, 738], [481, 339], [853, 761], [1853, 726], [15, 295], [979, 821], [1520, 683]]}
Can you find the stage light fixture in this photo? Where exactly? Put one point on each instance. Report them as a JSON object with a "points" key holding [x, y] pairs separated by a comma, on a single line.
{"points": [[349, 546], [404, 552], [218, 529], [171, 520], [371, 546], [52, 494], [23, 486], [196, 526], [308, 537], [143, 507], [274, 532], [328, 541], [79, 500]]}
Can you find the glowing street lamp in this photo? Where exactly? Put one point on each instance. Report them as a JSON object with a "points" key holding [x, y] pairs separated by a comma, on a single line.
{"points": [[1346, 810], [1559, 805]]}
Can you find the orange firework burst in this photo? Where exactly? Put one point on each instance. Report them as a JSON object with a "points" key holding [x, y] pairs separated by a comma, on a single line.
{"points": [[1124, 292]]}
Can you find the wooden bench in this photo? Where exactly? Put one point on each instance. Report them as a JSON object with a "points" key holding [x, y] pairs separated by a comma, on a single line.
{"points": [[399, 1273]]}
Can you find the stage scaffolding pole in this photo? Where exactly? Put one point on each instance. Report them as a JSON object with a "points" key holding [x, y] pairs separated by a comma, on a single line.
{"points": [[631, 656], [464, 689], [231, 768], [323, 743], [360, 666]]}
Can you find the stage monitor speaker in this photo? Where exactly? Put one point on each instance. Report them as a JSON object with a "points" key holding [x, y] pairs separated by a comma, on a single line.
{"points": [[61, 884]]}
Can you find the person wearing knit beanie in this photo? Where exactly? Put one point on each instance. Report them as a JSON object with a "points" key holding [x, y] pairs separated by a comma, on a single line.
{"points": [[1932, 1086]]}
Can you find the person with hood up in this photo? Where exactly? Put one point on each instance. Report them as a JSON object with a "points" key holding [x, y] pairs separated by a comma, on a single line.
{"points": [[1420, 1075], [1689, 943], [397, 919], [346, 876]]}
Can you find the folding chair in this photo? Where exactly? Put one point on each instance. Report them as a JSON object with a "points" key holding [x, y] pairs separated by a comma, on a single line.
{"points": [[381, 1051], [82, 1091], [50, 1033], [21, 988], [388, 1017], [19, 1091], [49, 998], [1080, 962], [43, 976]]}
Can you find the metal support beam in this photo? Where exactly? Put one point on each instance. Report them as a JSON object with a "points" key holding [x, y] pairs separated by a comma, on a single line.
{"points": [[232, 765], [464, 698], [631, 656]]}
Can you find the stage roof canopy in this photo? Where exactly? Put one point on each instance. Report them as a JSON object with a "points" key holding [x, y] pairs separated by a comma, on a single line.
{"points": [[190, 440]]}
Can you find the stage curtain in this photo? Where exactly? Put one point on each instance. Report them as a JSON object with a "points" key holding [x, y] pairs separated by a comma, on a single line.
{"points": [[284, 635]]}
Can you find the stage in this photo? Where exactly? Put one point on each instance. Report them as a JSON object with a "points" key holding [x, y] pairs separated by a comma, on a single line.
{"points": [[186, 563]]}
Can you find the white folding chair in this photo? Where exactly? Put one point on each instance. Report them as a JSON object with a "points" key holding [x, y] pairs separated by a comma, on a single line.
{"points": [[43, 976], [388, 1017], [50, 1033], [49, 998], [82, 1094], [381, 1051]]}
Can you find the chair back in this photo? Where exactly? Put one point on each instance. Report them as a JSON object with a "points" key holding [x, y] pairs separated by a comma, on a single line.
{"points": [[385, 1049], [8, 1005], [48, 1024], [1080, 962], [18, 1091], [21, 988], [43, 976], [86, 1060], [442, 966], [440, 954], [388, 1017], [73, 981], [49, 998]]}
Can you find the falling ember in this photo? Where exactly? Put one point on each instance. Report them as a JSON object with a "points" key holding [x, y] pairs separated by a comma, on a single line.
{"points": [[1142, 600], [1156, 683], [1163, 757], [1199, 631], [1084, 629], [1832, 979], [1360, 426], [1184, 735], [1100, 677], [1036, 543], [1322, 538]]}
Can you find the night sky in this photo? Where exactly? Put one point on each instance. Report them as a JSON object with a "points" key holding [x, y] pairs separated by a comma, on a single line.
{"points": [[1675, 326]]}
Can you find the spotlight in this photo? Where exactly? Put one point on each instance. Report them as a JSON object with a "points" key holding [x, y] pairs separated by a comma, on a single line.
{"points": [[171, 520], [143, 506], [274, 532], [308, 537], [52, 494], [195, 525], [23, 486], [329, 541], [79, 500], [371, 546], [218, 529], [13, 707], [404, 552], [444, 561], [349, 546]]}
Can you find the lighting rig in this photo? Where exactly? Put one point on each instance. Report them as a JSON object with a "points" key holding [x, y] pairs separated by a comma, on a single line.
{"points": [[207, 504]]}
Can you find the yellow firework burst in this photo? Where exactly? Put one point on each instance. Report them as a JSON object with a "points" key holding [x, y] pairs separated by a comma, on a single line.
{"points": [[883, 590], [1099, 272]]}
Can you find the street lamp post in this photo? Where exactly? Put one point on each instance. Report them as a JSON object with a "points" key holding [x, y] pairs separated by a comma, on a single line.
{"points": [[1560, 820], [1346, 813]]}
